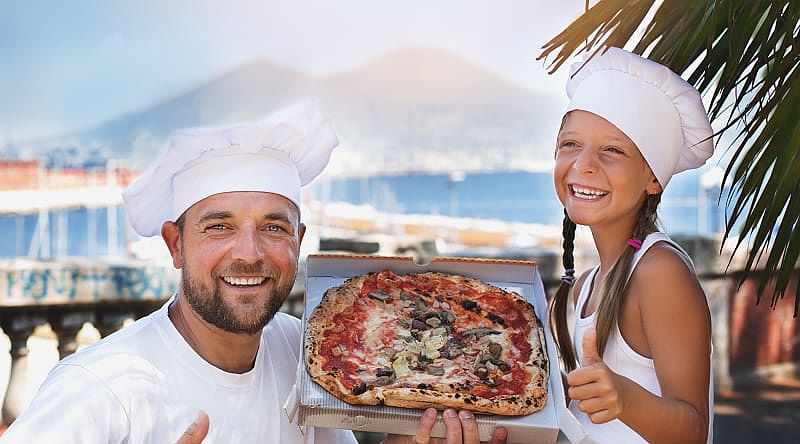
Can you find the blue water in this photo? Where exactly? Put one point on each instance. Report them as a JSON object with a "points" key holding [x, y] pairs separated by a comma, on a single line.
{"points": [[509, 196], [76, 232]]}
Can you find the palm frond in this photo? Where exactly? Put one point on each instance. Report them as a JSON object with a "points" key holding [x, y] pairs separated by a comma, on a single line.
{"points": [[746, 56]]}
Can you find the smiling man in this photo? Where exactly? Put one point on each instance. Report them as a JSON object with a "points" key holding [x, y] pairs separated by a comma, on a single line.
{"points": [[217, 358]]}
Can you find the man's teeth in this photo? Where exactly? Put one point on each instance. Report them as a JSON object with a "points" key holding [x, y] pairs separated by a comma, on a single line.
{"points": [[243, 281], [588, 193]]}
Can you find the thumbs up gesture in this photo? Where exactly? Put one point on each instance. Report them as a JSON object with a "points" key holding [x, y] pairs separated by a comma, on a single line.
{"points": [[594, 386], [197, 431], [590, 353]]}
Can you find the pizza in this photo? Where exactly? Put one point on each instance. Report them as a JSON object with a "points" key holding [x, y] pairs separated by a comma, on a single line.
{"points": [[428, 340]]}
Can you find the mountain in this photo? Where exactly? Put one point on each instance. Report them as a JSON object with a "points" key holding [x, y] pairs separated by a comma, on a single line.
{"points": [[414, 109]]}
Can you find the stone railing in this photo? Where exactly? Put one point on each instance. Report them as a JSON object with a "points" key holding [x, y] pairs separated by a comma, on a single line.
{"points": [[66, 295]]}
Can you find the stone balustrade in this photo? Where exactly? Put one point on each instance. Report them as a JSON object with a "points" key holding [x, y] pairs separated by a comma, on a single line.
{"points": [[66, 295]]}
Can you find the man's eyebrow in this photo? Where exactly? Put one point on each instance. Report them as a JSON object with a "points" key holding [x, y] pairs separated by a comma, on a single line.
{"points": [[278, 216], [215, 215]]}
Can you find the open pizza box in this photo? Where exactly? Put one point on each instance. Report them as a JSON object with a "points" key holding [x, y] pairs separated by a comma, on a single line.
{"points": [[310, 405]]}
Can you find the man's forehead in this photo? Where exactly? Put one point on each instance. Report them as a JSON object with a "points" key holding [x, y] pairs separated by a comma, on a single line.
{"points": [[238, 201]]}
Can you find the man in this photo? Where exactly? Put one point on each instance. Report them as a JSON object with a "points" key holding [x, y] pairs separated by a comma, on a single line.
{"points": [[226, 201]]}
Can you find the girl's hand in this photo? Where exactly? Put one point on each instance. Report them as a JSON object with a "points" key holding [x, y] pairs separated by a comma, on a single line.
{"points": [[460, 428], [598, 390]]}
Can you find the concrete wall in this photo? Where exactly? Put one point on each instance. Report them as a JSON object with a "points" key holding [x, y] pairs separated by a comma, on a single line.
{"points": [[762, 341], [24, 282]]}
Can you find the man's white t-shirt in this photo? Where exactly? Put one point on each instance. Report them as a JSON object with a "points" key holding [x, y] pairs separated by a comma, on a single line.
{"points": [[145, 384]]}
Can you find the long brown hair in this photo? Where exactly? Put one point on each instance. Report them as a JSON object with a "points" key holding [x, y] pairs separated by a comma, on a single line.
{"points": [[613, 290]]}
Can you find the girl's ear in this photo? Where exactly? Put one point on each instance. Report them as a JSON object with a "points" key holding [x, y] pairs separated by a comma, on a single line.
{"points": [[653, 187]]}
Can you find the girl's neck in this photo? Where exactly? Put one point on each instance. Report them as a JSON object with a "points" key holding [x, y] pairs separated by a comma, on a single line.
{"points": [[610, 243]]}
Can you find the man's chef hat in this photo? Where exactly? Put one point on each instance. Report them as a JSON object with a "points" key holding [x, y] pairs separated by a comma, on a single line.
{"points": [[658, 110], [277, 154]]}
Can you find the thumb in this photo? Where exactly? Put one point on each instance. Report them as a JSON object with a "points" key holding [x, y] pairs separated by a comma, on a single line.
{"points": [[197, 431], [590, 354]]}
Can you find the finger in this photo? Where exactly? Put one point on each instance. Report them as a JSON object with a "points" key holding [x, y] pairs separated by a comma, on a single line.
{"points": [[590, 354], [582, 376], [469, 427], [197, 431], [601, 417], [499, 435], [593, 405], [424, 427], [586, 391], [452, 427]]}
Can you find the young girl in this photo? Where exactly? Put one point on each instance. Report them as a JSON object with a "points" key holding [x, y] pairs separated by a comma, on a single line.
{"points": [[639, 367]]}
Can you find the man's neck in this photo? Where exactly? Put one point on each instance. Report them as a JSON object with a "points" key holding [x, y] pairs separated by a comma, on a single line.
{"points": [[231, 352]]}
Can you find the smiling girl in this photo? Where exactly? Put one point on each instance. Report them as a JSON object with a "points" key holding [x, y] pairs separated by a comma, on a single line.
{"points": [[638, 362]]}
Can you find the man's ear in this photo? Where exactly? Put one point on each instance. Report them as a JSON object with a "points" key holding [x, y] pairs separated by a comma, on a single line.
{"points": [[301, 231], [172, 237]]}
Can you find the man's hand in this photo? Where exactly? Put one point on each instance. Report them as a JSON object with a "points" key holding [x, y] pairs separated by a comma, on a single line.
{"points": [[597, 389], [197, 431], [460, 428]]}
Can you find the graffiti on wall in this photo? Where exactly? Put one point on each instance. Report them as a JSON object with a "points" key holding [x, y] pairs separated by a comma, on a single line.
{"points": [[26, 283]]}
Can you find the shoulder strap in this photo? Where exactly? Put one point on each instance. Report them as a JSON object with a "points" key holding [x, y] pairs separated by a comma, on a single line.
{"points": [[583, 294], [654, 238]]}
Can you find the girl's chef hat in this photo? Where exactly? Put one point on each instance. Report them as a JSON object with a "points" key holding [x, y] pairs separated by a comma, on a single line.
{"points": [[658, 110]]}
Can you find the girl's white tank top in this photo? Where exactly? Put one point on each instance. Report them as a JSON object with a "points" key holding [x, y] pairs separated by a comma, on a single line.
{"points": [[622, 359]]}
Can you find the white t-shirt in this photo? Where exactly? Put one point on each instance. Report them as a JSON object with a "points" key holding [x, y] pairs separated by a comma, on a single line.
{"points": [[145, 384], [622, 359]]}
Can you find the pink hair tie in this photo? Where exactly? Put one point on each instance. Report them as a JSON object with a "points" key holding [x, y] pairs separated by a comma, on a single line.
{"points": [[635, 243]]}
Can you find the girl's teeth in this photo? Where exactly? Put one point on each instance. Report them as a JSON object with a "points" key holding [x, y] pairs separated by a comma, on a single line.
{"points": [[588, 193], [243, 281]]}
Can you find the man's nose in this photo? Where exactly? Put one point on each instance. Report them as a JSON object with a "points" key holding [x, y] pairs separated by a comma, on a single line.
{"points": [[247, 247]]}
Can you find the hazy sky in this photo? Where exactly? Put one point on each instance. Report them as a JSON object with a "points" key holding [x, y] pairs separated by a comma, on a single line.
{"points": [[68, 65]]}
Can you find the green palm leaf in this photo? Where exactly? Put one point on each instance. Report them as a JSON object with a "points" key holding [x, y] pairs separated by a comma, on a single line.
{"points": [[746, 55]]}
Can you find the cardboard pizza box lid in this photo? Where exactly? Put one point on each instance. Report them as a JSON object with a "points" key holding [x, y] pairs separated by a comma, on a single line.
{"points": [[311, 405]]}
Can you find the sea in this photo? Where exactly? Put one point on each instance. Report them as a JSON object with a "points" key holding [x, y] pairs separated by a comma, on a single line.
{"points": [[520, 196], [514, 196]]}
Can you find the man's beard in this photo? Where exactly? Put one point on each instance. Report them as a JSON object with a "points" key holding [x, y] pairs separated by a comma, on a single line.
{"points": [[212, 307]]}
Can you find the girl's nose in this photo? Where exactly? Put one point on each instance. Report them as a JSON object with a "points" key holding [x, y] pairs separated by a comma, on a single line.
{"points": [[585, 162]]}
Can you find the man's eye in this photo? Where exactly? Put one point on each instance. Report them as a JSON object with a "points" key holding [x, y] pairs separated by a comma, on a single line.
{"points": [[275, 228], [216, 227], [567, 144]]}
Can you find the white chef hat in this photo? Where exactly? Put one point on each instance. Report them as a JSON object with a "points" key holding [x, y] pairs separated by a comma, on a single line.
{"points": [[658, 110], [277, 154]]}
